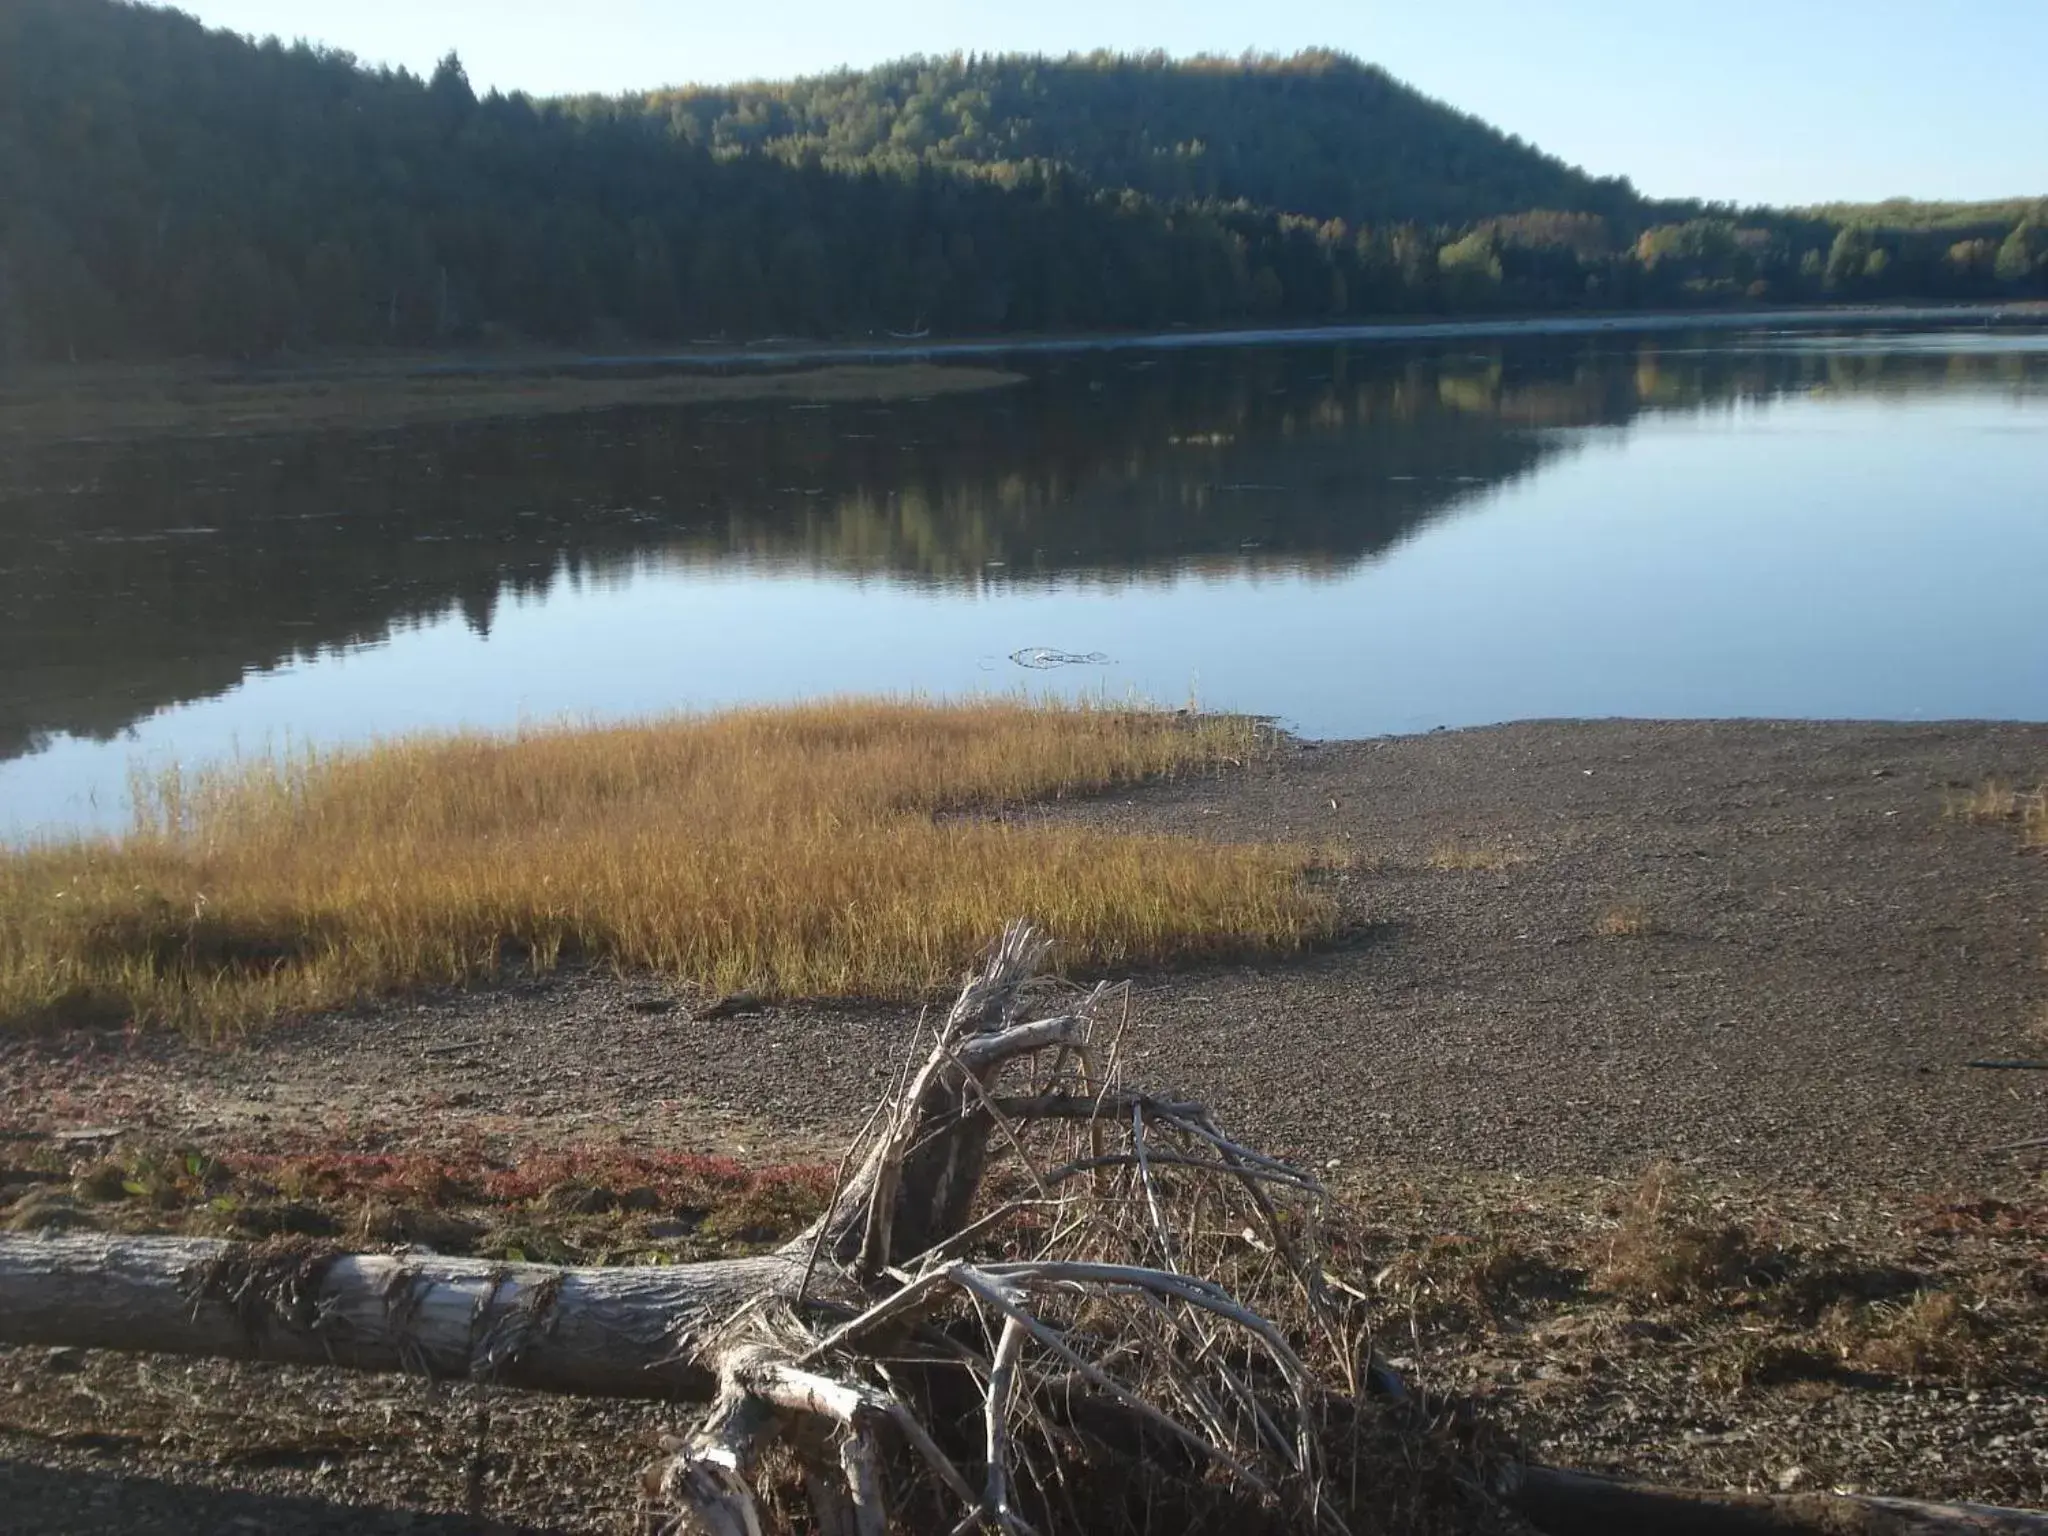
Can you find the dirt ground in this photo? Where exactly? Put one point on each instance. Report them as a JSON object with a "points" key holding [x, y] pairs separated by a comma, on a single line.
{"points": [[1756, 958]]}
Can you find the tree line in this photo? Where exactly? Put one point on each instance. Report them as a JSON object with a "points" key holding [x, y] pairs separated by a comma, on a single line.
{"points": [[177, 191]]}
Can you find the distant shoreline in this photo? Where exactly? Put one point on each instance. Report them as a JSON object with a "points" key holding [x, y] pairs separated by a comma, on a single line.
{"points": [[772, 352], [779, 351], [1618, 322], [126, 400]]}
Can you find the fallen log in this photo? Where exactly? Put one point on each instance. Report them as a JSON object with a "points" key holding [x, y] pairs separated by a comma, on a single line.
{"points": [[604, 1332], [1039, 1296], [1575, 1504]]}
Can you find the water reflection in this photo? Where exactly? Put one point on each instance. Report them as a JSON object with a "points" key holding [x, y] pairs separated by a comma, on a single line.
{"points": [[138, 576]]}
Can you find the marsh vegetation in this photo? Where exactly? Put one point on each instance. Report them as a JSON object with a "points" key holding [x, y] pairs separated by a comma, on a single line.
{"points": [[834, 850]]}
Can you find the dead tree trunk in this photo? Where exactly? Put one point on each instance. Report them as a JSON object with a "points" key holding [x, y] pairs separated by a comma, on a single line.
{"points": [[1572, 1502], [606, 1332], [1038, 1291]]}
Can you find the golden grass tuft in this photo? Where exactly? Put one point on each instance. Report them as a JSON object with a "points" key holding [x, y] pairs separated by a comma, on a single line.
{"points": [[1474, 856], [1989, 801], [1932, 1335], [1994, 800], [1663, 1251], [797, 851], [1469, 1281], [1625, 922]]}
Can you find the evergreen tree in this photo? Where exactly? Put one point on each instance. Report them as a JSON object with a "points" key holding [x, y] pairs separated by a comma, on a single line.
{"points": [[171, 190]]}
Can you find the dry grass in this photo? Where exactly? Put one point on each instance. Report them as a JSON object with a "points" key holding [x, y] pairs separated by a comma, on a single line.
{"points": [[1451, 1281], [1990, 801], [1474, 856], [1996, 801], [1929, 1336], [1613, 1327], [1625, 922], [1661, 1250], [798, 851]]}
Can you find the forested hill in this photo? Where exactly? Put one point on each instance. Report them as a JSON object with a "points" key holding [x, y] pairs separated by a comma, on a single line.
{"points": [[170, 191], [1319, 134]]}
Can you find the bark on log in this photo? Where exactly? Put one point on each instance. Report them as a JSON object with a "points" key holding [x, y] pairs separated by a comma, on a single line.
{"points": [[612, 1332], [606, 1332], [1575, 1504]]}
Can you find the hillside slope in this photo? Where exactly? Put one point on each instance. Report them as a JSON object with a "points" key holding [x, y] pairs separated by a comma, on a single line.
{"points": [[171, 191], [1318, 134]]}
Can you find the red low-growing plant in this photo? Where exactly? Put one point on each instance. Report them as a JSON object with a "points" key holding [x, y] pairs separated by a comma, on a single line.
{"points": [[437, 1178]]}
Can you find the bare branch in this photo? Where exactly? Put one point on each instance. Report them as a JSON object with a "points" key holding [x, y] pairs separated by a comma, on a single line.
{"points": [[1001, 1386]]}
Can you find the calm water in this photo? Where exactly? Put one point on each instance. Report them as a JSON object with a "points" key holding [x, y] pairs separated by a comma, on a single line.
{"points": [[1360, 539]]}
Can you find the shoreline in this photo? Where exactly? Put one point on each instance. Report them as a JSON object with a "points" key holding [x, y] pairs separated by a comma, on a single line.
{"points": [[1494, 1083], [1811, 917], [123, 402], [20, 837], [194, 397], [775, 351], [1435, 328]]}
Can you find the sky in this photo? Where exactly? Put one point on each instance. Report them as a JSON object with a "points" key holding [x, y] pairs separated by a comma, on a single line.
{"points": [[1745, 101]]}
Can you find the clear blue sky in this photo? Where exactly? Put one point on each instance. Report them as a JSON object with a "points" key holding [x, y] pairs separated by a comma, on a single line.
{"points": [[1779, 101]]}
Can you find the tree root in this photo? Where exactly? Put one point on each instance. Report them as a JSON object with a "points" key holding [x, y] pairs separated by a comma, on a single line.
{"points": [[1087, 1287]]}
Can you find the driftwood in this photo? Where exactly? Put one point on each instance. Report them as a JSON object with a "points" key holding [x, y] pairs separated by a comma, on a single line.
{"points": [[1038, 1300], [1593, 1506], [605, 1332]]}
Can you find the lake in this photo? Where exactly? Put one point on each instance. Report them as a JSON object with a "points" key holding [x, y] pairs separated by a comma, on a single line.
{"points": [[1356, 537]]}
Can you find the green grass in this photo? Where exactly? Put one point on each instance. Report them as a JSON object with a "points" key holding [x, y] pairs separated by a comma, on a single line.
{"points": [[834, 849]]}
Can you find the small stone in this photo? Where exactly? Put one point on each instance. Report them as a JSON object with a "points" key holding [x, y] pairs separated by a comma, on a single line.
{"points": [[1791, 1478]]}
